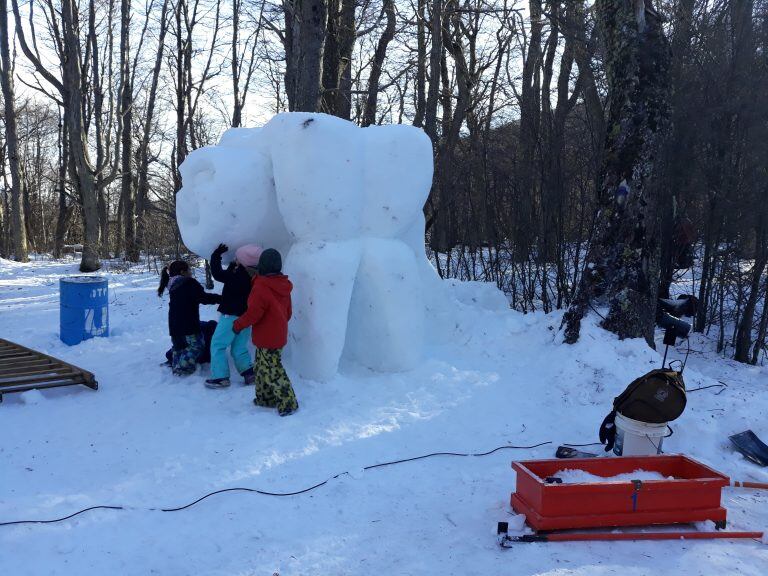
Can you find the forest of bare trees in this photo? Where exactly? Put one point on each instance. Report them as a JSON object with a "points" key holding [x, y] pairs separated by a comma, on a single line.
{"points": [[626, 139]]}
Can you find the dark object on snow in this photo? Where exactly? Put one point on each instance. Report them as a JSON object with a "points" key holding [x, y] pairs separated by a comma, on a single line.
{"points": [[668, 313], [655, 398], [751, 446], [207, 328], [607, 432], [26, 369], [507, 541], [568, 452]]}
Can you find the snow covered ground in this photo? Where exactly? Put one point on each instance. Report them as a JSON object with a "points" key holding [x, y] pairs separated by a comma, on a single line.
{"points": [[146, 440]]}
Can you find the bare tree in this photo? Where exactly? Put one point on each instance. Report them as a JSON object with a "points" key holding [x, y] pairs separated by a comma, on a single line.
{"points": [[18, 229], [622, 265], [369, 115], [305, 34]]}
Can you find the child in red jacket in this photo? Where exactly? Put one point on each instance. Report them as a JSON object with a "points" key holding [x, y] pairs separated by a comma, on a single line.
{"points": [[269, 309]]}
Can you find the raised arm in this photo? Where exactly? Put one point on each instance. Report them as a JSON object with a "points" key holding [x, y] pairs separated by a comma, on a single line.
{"points": [[218, 273]]}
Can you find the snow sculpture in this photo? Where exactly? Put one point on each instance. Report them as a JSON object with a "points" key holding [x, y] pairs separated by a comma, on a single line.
{"points": [[343, 205]]}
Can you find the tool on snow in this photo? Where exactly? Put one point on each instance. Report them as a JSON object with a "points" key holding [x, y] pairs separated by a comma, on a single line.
{"points": [[568, 452], [758, 485], [506, 540], [751, 446]]}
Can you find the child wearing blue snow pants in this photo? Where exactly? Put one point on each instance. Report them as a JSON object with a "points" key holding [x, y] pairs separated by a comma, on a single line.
{"points": [[234, 302], [224, 338]]}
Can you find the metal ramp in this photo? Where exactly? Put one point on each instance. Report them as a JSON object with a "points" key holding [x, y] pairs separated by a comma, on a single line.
{"points": [[23, 369]]}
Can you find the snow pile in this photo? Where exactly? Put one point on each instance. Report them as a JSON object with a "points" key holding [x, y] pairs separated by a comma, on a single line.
{"points": [[576, 476], [344, 206]]}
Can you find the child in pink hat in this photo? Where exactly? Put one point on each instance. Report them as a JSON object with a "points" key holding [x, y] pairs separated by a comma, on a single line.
{"points": [[234, 301]]}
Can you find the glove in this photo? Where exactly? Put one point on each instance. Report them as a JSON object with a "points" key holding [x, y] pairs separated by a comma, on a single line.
{"points": [[608, 431], [221, 248]]}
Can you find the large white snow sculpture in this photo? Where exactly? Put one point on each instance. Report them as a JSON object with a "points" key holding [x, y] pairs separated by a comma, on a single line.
{"points": [[344, 206]]}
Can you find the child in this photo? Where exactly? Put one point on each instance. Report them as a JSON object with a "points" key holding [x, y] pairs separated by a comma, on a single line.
{"points": [[234, 301], [269, 309], [186, 295]]}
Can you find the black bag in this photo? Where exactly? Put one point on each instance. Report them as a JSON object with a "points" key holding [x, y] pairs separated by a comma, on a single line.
{"points": [[655, 398]]}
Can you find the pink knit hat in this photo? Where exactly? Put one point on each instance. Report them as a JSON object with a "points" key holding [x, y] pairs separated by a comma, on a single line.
{"points": [[248, 255]]}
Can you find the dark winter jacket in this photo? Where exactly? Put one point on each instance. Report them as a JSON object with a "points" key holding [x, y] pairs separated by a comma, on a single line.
{"points": [[186, 295], [269, 309], [237, 286]]}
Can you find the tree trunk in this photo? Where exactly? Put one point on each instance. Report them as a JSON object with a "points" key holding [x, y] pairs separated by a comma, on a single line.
{"points": [[64, 211], [435, 56], [142, 188], [127, 190], [337, 58], [73, 114], [237, 109], [530, 118], [305, 24], [744, 334], [622, 265], [18, 228], [369, 116]]}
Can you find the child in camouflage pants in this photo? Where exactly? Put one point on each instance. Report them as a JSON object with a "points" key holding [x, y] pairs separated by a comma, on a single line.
{"points": [[273, 387], [269, 309]]}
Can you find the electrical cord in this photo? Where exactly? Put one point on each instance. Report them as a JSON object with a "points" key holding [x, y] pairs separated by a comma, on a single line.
{"points": [[282, 494], [64, 518], [722, 387]]}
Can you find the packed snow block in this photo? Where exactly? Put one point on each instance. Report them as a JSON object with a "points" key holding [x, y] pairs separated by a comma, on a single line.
{"points": [[228, 196], [485, 295], [244, 138], [385, 330], [397, 178], [317, 162], [323, 276]]}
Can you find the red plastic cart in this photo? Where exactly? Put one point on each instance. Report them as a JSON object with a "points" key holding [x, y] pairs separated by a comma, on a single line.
{"points": [[690, 494]]}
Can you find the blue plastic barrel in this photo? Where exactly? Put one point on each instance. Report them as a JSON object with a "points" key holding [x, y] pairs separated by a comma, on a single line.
{"points": [[84, 308]]}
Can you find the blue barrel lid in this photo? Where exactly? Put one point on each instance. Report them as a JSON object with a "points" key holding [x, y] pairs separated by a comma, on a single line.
{"points": [[83, 279]]}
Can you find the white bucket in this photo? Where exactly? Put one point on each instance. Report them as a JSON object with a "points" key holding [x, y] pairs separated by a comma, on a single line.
{"points": [[635, 438]]}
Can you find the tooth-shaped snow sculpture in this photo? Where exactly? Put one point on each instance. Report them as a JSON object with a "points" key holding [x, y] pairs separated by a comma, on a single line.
{"points": [[344, 206], [229, 196]]}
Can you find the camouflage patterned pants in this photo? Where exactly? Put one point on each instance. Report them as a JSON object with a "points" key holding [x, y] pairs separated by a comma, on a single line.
{"points": [[185, 353], [273, 387]]}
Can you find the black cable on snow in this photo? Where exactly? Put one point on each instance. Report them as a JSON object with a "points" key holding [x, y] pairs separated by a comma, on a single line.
{"points": [[282, 494], [61, 519]]}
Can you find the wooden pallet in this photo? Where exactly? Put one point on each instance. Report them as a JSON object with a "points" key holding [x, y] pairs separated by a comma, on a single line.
{"points": [[24, 369]]}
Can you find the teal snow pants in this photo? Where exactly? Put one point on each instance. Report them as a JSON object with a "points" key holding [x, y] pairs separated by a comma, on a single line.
{"points": [[224, 337]]}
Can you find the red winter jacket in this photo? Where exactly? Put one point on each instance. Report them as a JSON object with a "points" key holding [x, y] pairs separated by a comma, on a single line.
{"points": [[269, 309]]}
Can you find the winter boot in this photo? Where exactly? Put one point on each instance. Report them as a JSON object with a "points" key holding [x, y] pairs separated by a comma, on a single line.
{"points": [[249, 378], [288, 411], [217, 383]]}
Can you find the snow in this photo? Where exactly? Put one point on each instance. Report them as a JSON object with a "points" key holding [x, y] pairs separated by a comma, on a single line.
{"points": [[343, 205], [576, 476], [146, 440]]}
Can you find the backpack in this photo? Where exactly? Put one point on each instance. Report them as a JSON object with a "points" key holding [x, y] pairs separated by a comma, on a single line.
{"points": [[655, 398]]}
